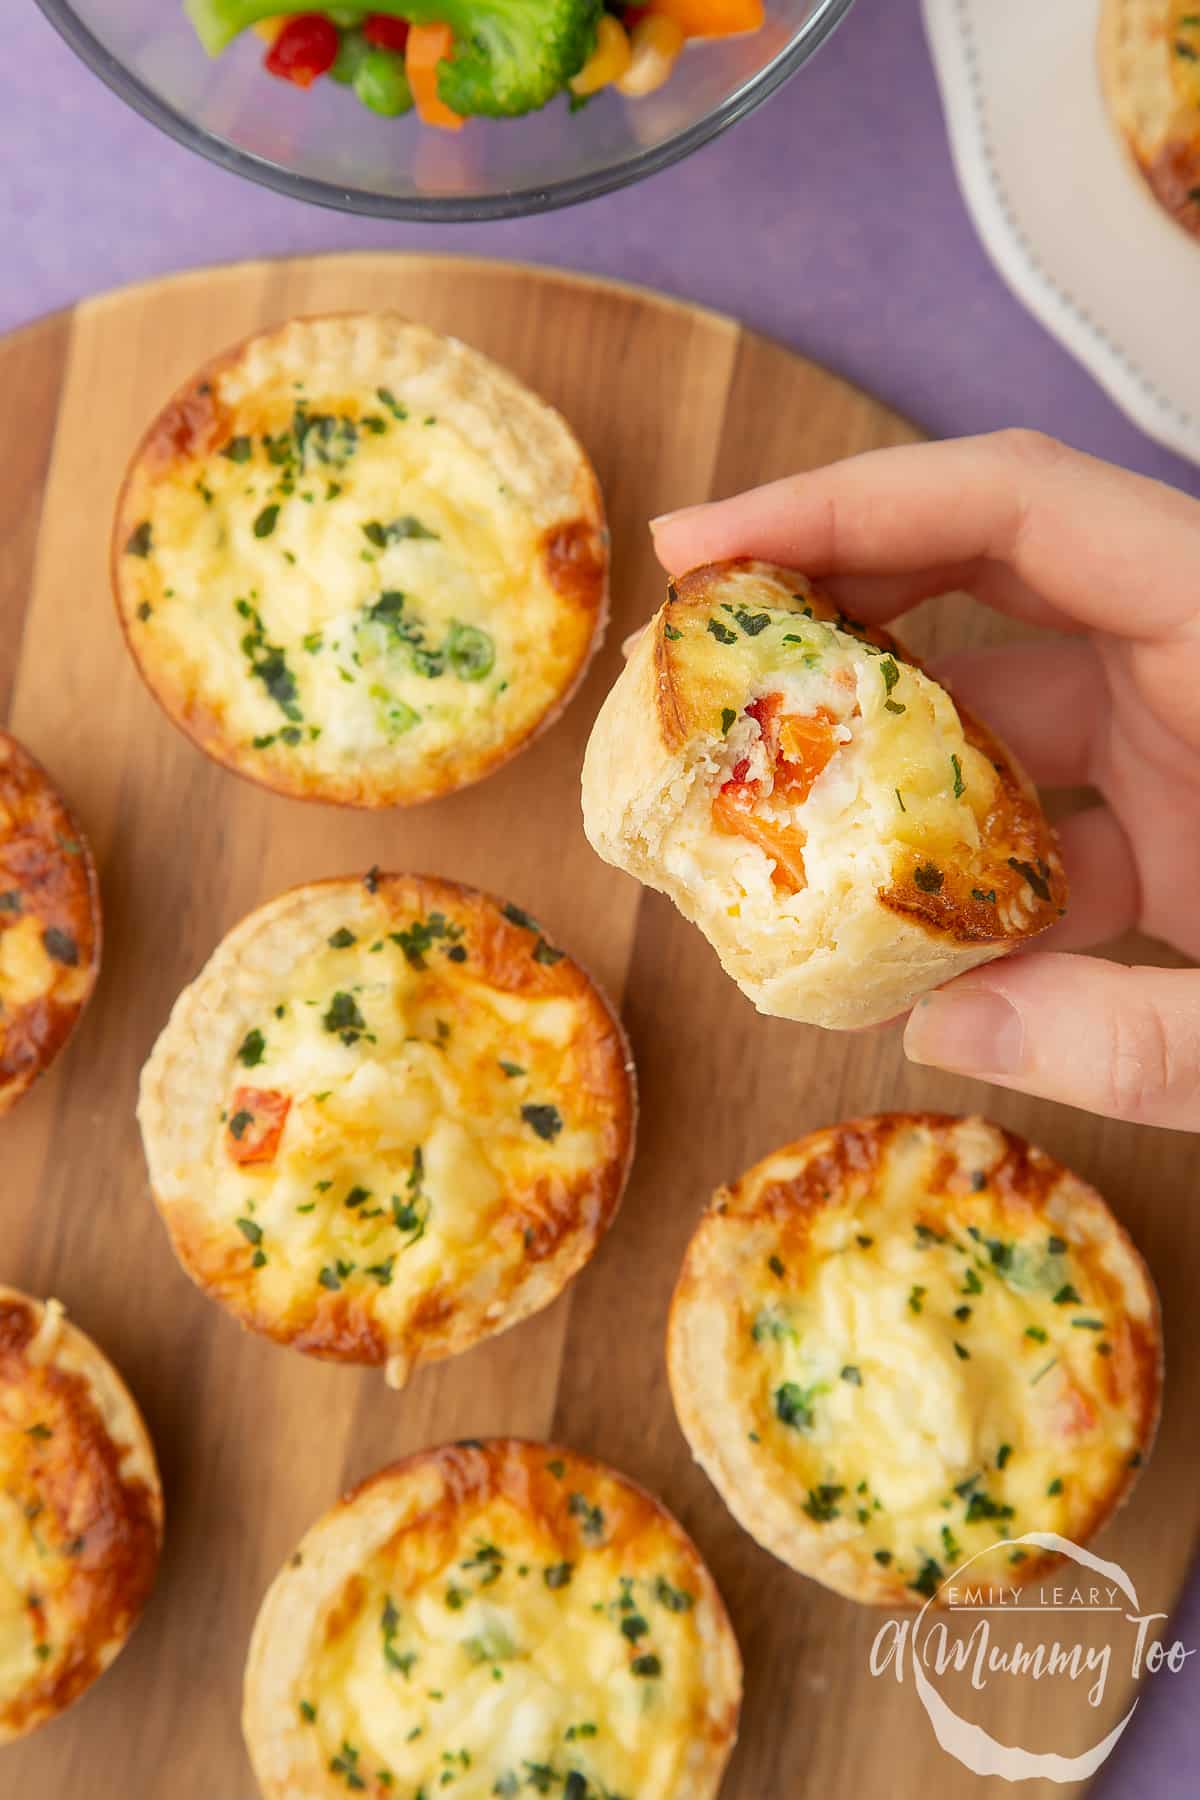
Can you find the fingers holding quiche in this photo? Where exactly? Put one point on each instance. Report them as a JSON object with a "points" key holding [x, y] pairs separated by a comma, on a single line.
{"points": [[842, 833]]}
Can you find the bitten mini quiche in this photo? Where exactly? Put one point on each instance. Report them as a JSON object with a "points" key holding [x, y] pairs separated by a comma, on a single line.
{"points": [[388, 1119], [49, 922], [498, 1618], [904, 1341], [80, 1513], [843, 834], [1150, 65], [359, 562]]}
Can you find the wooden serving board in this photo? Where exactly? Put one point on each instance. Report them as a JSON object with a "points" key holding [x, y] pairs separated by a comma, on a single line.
{"points": [[674, 404]]}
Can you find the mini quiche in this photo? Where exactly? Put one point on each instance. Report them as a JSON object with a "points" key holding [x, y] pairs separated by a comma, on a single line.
{"points": [[843, 834], [80, 1513], [49, 922], [388, 1119], [498, 1618], [360, 563], [1150, 66], [902, 1343]]}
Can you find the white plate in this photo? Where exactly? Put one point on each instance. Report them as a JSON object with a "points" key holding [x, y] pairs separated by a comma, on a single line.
{"points": [[1061, 210]]}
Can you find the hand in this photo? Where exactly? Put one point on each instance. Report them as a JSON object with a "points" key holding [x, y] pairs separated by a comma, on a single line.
{"points": [[1112, 561]]}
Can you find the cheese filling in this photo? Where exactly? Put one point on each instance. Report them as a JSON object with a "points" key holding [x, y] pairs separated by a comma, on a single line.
{"points": [[351, 586], [504, 1655], [933, 1384], [394, 1125]]}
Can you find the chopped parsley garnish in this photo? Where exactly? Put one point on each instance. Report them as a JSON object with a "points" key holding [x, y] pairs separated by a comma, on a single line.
{"points": [[237, 450], [752, 623], [891, 675], [669, 631], [722, 632], [265, 523], [342, 938], [853, 1374], [985, 899], [61, 946], [472, 652], [775, 1265], [728, 715], [916, 1297], [342, 1015], [883, 1558], [676, 1600], [397, 531], [960, 786], [38, 1432], [1037, 1333], [822, 1503], [961, 1351], [1055, 1486], [962, 1314], [250, 1051], [545, 1120], [646, 1666], [927, 1578], [546, 953], [557, 1575], [140, 541], [1002, 1455], [511, 1069], [418, 939], [971, 1282], [516, 916], [591, 1517], [929, 878], [633, 1626], [10, 900], [1035, 877], [793, 1406], [249, 1230], [239, 1122], [308, 1711], [1066, 1296], [1088, 1324]]}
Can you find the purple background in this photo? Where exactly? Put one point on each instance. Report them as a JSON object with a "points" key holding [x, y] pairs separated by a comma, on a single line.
{"points": [[831, 220]]}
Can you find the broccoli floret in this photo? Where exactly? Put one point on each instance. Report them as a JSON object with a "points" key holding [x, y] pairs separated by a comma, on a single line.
{"points": [[510, 56]]}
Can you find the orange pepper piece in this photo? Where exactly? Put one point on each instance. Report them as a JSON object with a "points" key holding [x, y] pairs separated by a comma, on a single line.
{"points": [[256, 1120], [805, 747], [731, 811], [428, 47], [710, 18]]}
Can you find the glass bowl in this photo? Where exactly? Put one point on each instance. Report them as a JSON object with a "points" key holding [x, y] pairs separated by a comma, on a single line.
{"points": [[321, 145]]}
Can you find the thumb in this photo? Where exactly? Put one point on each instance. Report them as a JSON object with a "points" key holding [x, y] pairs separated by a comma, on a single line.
{"points": [[1117, 1041]]}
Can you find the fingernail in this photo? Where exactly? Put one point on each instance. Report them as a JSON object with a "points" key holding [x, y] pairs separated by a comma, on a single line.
{"points": [[969, 1031], [668, 518]]}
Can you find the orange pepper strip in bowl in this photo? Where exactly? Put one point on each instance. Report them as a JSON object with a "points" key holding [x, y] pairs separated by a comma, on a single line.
{"points": [[710, 18], [428, 47]]}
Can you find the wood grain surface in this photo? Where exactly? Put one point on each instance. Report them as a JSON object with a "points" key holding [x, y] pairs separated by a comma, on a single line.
{"points": [[674, 404]]}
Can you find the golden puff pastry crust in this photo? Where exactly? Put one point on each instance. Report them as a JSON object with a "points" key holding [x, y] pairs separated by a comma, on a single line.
{"points": [[359, 562], [903, 1342], [845, 836], [389, 1118], [49, 921], [1150, 69], [80, 1513], [512, 1615]]}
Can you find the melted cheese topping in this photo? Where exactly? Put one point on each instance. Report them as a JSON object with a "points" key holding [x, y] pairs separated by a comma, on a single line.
{"points": [[1183, 41], [409, 1126], [78, 1542], [49, 920], [544, 1639], [339, 582], [929, 1362]]}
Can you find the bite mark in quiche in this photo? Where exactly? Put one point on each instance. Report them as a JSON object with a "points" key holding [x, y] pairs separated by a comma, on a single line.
{"points": [[388, 1119], [496, 1618], [902, 1342], [843, 833], [357, 561]]}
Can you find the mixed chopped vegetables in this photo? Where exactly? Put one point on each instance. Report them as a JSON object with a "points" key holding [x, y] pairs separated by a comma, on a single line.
{"points": [[452, 60]]}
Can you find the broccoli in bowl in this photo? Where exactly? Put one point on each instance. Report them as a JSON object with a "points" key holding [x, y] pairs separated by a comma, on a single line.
{"points": [[452, 60]]}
